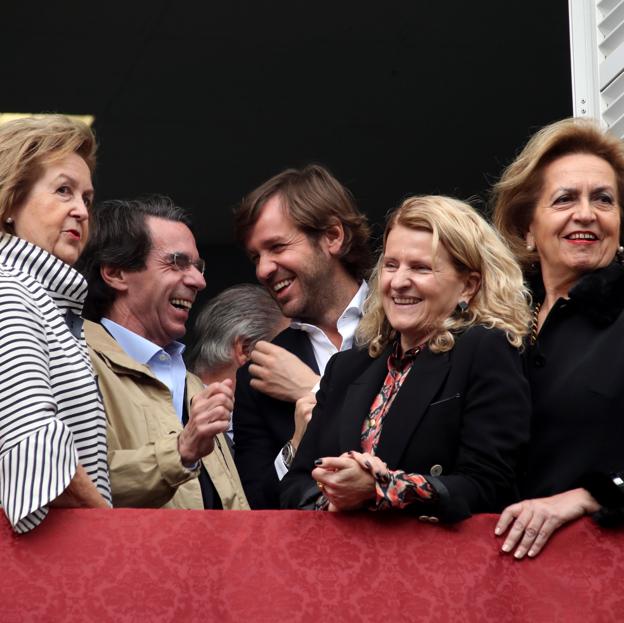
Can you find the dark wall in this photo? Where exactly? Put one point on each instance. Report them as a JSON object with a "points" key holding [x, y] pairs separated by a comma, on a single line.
{"points": [[203, 101]]}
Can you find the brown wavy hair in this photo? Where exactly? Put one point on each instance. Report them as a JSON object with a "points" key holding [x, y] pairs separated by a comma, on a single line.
{"points": [[315, 200]]}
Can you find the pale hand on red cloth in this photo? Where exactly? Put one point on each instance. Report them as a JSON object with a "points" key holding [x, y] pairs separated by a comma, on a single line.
{"points": [[534, 521]]}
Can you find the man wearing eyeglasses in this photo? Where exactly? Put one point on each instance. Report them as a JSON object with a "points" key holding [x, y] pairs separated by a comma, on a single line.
{"points": [[165, 429]]}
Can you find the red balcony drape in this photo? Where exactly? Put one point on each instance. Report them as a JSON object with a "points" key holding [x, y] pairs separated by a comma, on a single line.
{"points": [[165, 565]]}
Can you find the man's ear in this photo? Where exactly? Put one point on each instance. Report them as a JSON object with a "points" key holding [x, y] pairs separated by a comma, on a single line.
{"points": [[471, 286], [239, 350], [333, 237], [114, 277]]}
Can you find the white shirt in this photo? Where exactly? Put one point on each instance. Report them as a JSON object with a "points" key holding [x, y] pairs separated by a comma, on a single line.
{"points": [[323, 347], [347, 324]]}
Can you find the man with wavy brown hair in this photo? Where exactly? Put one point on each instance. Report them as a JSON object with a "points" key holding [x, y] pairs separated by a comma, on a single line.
{"points": [[309, 244]]}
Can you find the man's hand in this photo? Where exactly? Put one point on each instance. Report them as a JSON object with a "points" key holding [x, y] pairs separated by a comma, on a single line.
{"points": [[303, 414], [280, 374], [210, 415], [534, 521]]}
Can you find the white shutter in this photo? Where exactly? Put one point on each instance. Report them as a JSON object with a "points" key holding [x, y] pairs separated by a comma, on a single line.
{"points": [[597, 49]]}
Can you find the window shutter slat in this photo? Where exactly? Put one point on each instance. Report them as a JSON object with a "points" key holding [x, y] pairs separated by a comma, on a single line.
{"points": [[597, 48]]}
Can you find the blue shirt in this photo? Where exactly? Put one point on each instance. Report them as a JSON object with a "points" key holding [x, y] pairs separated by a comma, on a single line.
{"points": [[166, 363]]}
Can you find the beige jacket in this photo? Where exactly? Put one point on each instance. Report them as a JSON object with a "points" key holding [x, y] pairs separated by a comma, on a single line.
{"points": [[145, 466]]}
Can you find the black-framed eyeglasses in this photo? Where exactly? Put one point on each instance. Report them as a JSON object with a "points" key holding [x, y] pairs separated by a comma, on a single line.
{"points": [[181, 261]]}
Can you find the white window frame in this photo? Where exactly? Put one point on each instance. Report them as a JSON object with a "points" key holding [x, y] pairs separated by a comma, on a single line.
{"points": [[597, 60]]}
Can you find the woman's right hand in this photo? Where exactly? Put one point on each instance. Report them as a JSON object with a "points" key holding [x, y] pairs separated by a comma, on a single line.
{"points": [[534, 521]]}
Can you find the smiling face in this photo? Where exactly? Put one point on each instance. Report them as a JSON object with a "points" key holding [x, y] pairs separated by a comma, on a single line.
{"points": [[576, 223], [155, 302], [297, 271], [55, 213], [418, 293]]}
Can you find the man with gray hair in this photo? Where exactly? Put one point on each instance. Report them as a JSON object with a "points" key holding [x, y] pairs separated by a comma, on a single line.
{"points": [[227, 329]]}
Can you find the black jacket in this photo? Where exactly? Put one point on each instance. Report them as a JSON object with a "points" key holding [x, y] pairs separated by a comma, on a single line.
{"points": [[262, 425], [576, 374], [466, 410]]}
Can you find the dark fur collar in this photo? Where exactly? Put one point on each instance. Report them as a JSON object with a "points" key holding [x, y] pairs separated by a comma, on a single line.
{"points": [[598, 295]]}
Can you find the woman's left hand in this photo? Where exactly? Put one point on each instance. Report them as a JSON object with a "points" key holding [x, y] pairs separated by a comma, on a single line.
{"points": [[346, 484], [534, 521]]}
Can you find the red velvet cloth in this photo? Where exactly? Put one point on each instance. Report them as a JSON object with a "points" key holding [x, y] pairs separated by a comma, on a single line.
{"points": [[166, 565]]}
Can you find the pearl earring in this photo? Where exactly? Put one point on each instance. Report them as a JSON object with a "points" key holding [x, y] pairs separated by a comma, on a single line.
{"points": [[9, 221], [530, 247]]}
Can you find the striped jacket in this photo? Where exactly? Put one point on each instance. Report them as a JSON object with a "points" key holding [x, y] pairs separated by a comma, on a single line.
{"points": [[51, 415]]}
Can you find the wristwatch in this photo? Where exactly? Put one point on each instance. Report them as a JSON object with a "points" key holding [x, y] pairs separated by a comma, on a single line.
{"points": [[288, 454]]}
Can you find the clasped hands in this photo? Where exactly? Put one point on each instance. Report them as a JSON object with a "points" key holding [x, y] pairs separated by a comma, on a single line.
{"points": [[209, 415], [348, 481]]}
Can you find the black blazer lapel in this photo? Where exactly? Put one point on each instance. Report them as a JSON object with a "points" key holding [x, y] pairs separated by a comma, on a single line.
{"points": [[298, 343], [428, 373], [358, 399]]}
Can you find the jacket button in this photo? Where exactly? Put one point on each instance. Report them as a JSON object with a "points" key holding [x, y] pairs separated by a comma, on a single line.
{"points": [[433, 520], [435, 470], [423, 518], [539, 361]]}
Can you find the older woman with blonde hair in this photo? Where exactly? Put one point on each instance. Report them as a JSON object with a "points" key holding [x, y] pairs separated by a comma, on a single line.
{"points": [[559, 206], [431, 411], [52, 424]]}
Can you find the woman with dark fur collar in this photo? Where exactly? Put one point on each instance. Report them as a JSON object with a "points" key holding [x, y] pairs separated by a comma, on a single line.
{"points": [[558, 205]]}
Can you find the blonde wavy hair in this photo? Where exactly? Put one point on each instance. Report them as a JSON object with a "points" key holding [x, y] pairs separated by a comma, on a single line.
{"points": [[515, 196], [502, 300], [27, 144]]}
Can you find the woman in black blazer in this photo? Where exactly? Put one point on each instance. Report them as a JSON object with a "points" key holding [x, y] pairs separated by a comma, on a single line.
{"points": [[559, 207], [431, 411]]}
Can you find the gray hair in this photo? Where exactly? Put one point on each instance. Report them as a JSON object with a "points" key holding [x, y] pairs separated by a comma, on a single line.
{"points": [[246, 311]]}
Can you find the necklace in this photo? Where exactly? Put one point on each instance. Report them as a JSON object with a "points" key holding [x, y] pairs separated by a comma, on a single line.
{"points": [[534, 324]]}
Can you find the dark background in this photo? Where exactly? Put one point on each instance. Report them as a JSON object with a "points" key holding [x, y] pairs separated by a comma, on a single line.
{"points": [[204, 101]]}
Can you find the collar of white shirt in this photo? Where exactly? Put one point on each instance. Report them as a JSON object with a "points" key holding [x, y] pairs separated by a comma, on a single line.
{"points": [[346, 326]]}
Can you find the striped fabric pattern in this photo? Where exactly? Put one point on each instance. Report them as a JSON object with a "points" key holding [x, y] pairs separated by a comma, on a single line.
{"points": [[51, 414]]}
